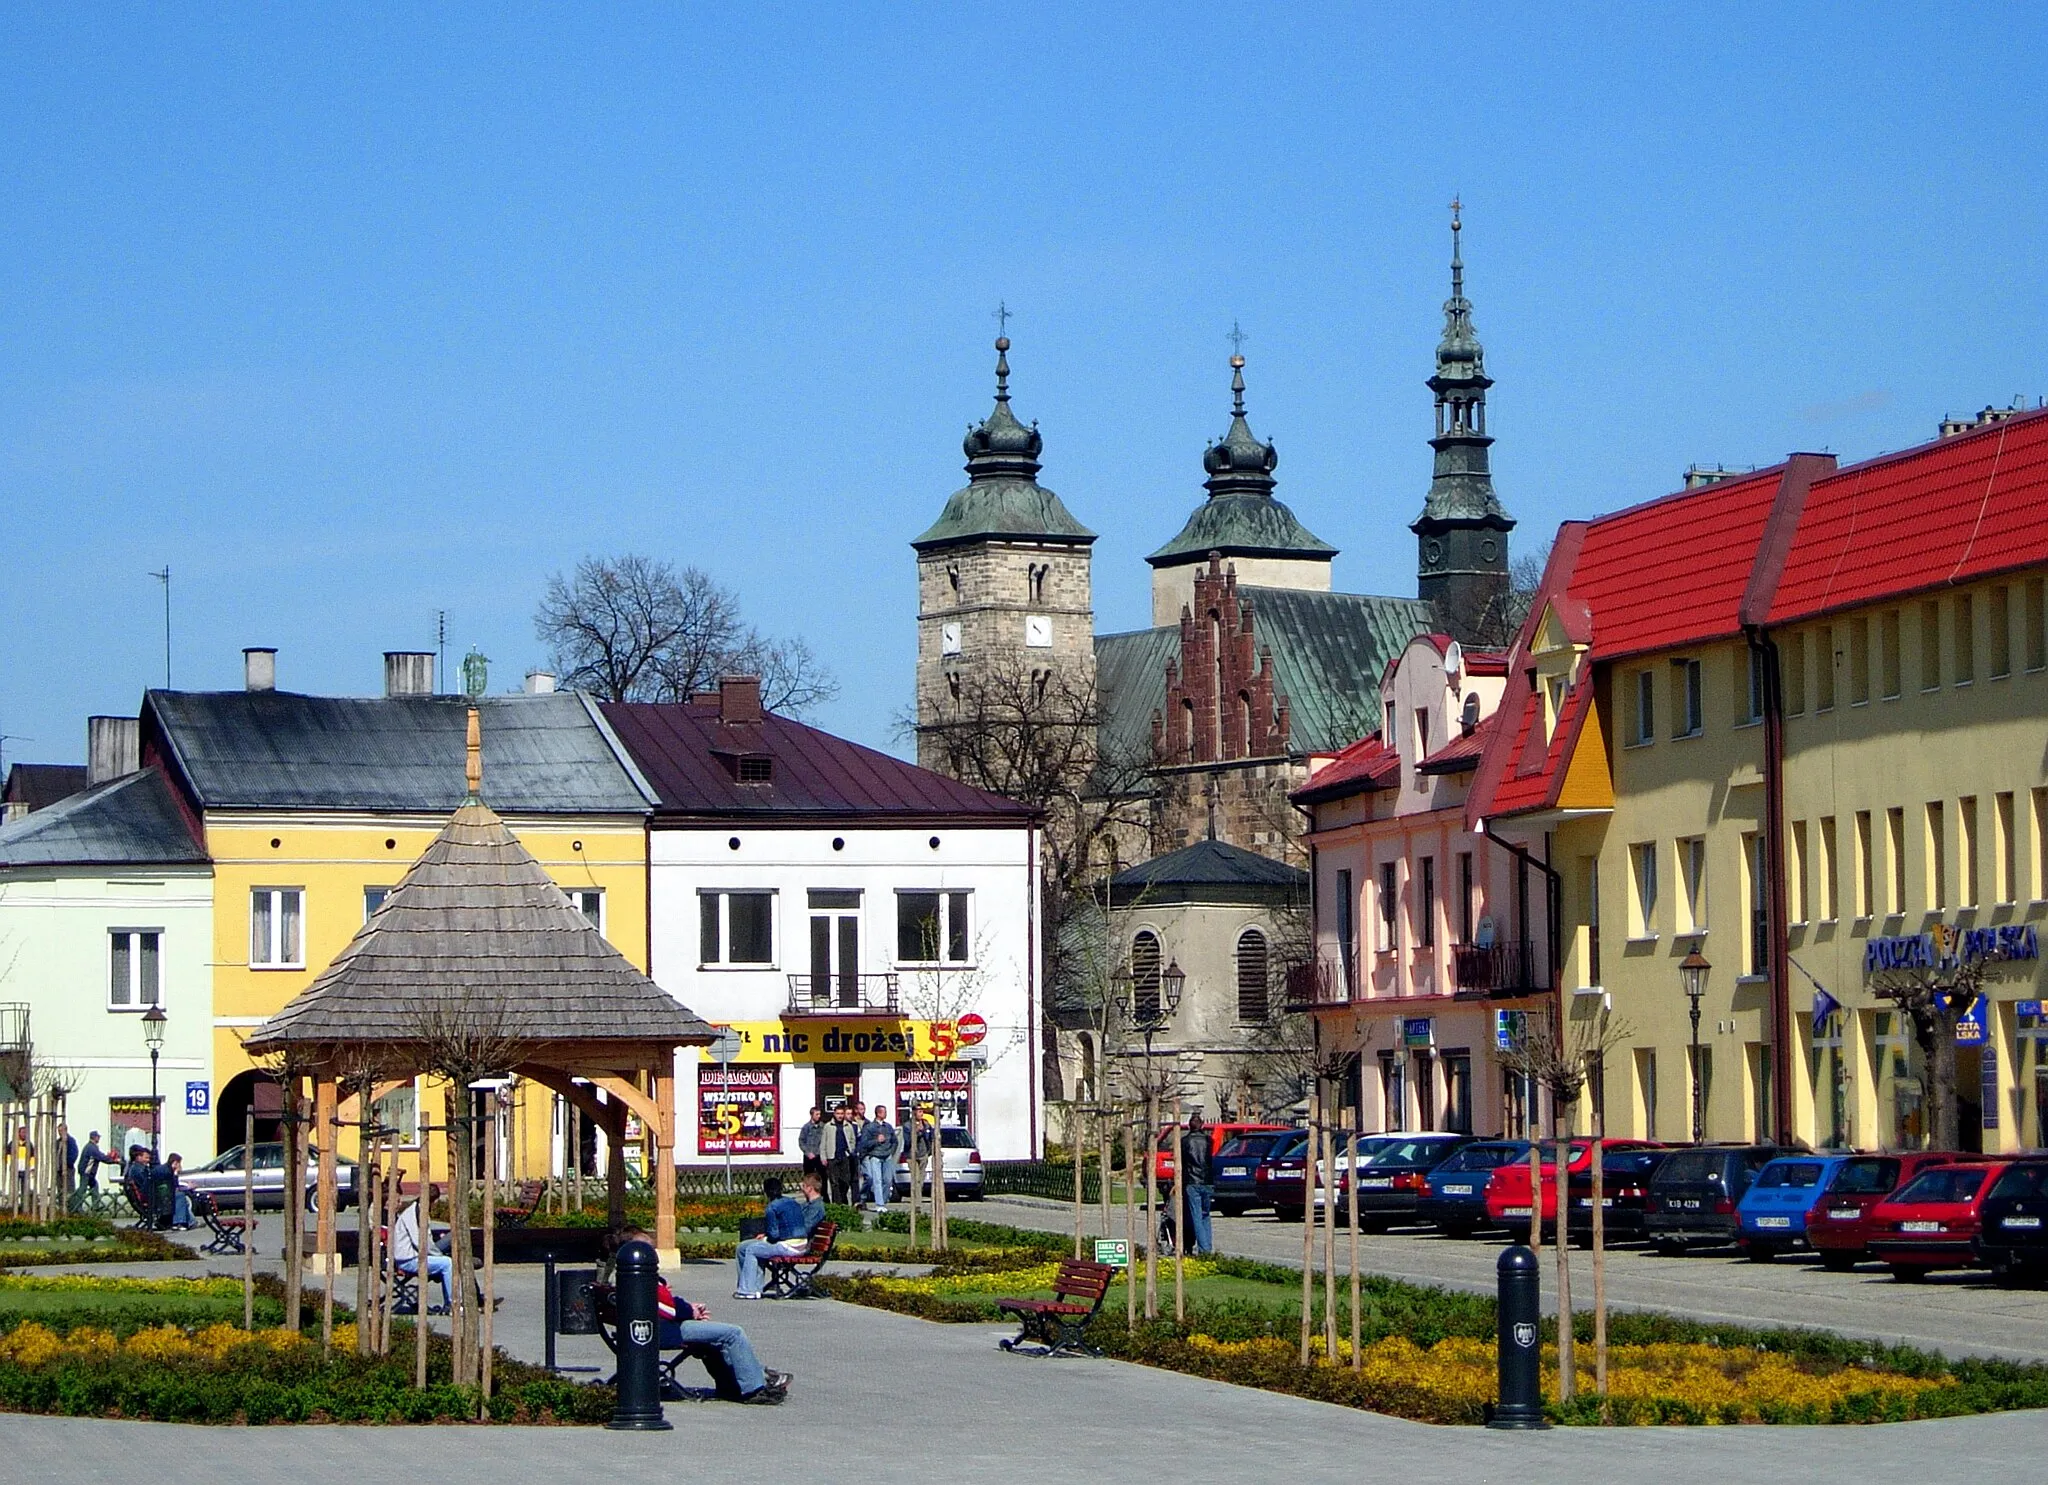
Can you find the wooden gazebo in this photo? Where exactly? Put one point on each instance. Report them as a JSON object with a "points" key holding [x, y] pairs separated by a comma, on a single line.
{"points": [[478, 946]]}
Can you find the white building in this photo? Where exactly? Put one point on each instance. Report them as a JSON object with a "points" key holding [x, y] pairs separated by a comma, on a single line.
{"points": [[848, 915], [106, 912]]}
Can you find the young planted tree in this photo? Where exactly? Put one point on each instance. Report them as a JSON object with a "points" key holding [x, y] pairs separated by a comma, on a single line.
{"points": [[947, 983]]}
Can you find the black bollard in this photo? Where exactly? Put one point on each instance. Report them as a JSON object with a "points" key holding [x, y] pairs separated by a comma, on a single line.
{"points": [[639, 1404], [1520, 1342]]}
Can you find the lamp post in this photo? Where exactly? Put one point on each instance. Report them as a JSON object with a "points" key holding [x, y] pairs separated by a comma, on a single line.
{"points": [[1692, 974], [153, 1034]]}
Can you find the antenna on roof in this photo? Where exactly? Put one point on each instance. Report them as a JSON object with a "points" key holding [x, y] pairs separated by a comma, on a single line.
{"points": [[440, 648], [164, 577]]}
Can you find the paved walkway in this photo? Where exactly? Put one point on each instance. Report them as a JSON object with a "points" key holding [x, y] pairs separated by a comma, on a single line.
{"points": [[1956, 1314]]}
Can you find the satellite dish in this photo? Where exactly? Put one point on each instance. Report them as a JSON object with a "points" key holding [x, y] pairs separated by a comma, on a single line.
{"points": [[1454, 660]]}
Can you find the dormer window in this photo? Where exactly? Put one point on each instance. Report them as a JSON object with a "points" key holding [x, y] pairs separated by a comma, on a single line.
{"points": [[756, 768]]}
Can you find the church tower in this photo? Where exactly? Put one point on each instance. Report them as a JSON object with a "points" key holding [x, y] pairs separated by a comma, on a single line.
{"points": [[1005, 612], [1462, 533]]}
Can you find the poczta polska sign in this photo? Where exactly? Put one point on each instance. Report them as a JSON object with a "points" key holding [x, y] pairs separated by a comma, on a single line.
{"points": [[1945, 946]]}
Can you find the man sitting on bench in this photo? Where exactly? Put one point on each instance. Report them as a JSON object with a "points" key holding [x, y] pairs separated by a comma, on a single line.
{"points": [[405, 1249], [738, 1373], [788, 1226]]}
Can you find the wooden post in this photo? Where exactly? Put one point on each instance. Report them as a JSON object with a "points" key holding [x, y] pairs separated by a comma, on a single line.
{"points": [[1330, 1243], [1308, 1212], [661, 1085], [1180, 1214], [327, 1130], [1599, 1255], [1130, 1228], [1351, 1180], [366, 1213], [1150, 1156], [249, 1218], [1074, 1132], [574, 1164], [425, 1246], [1567, 1364], [491, 1249], [615, 1164], [294, 1203], [1103, 1138]]}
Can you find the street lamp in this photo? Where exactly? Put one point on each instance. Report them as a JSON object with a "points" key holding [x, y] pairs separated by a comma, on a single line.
{"points": [[1692, 975], [153, 1034]]}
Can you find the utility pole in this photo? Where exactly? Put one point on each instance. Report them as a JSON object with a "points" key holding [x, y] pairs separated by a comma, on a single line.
{"points": [[164, 577]]}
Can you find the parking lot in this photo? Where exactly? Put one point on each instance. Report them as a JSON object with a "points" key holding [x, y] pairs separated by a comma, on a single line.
{"points": [[1958, 1314]]}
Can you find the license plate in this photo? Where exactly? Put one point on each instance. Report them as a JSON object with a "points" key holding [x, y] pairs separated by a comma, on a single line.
{"points": [[1689, 1204], [1844, 1214], [1517, 1211], [1377, 1183], [1286, 1175], [1583, 1201], [1457, 1190], [1774, 1221], [2022, 1221], [1919, 1227], [1234, 1170]]}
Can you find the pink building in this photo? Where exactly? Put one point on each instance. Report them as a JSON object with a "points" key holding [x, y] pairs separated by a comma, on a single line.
{"points": [[1424, 931]]}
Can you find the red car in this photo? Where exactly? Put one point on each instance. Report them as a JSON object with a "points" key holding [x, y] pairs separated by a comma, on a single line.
{"points": [[1507, 1193], [1169, 1142], [1838, 1225], [1932, 1221]]}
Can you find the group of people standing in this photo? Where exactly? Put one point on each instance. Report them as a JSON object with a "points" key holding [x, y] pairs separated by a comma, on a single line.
{"points": [[853, 1158], [78, 1175]]}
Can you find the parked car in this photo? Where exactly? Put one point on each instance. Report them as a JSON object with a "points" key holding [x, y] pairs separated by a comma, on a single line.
{"points": [[1237, 1170], [1933, 1220], [2012, 1235], [1219, 1134], [1624, 1194], [1390, 1177], [222, 1176], [1771, 1217], [1507, 1194], [1693, 1195], [1280, 1178], [1838, 1225], [962, 1161], [1453, 1197]]}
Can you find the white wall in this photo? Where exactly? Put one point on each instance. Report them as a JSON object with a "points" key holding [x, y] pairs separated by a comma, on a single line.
{"points": [[996, 865], [55, 957]]}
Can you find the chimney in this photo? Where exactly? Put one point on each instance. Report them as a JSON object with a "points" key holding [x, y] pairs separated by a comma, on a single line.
{"points": [[739, 699], [408, 672], [259, 669], [113, 747], [540, 682]]}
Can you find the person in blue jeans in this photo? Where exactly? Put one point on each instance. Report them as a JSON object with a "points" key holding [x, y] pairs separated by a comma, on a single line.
{"points": [[1197, 1186], [877, 1150], [738, 1374], [405, 1249], [787, 1227]]}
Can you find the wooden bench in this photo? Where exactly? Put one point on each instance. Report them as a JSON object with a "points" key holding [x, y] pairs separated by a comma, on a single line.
{"points": [[791, 1277], [604, 1303], [521, 1211], [139, 1201], [228, 1232], [1061, 1323]]}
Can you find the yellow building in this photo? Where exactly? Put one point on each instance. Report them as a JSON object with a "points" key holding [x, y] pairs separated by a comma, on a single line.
{"points": [[1792, 723], [312, 808]]}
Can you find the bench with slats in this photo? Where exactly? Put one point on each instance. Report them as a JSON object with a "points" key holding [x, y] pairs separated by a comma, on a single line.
{"points": [[791, 1277], [1061, 1323], [228, 1232]]}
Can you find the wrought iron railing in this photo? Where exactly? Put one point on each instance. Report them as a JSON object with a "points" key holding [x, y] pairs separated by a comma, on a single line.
{"points": [[836, 994], [1498, 969], [1321, 981]]}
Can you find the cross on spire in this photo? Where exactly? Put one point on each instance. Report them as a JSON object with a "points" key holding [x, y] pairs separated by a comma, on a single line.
{"points": [[1237, 338], [1002, 318]]}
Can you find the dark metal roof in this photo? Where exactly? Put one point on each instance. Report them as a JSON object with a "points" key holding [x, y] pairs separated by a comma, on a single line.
{"points": [[691, 757], [1208, 871], [476, 936], [40, 785], [548, 754], [130, 821]]}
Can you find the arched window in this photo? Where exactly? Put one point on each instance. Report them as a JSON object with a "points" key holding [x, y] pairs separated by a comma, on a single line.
{"points": [[1145, 975], [1217, 752], [1254, 983], [1187, 730], [1244, 721]]}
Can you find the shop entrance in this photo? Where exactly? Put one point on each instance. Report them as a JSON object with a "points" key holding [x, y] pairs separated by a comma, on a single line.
{"points": [[838, 1085], [1970, 1099]]}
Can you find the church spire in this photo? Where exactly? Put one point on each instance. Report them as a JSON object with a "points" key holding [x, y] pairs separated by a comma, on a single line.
{"points": [[1001, 448], [1462, 532], [1240, 464]]}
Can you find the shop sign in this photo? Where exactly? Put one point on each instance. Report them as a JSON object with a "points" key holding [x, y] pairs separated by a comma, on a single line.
{"points": [[198, 1098], [916, 1095], [1418, 1031], [1944, 946], [1970, 1025], [1510, 1030], [1115, 1252], [738, 1111], [847, 1039]]}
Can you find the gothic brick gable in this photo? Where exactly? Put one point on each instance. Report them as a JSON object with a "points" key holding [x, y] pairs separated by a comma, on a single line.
{"points": [[1221, 701]]}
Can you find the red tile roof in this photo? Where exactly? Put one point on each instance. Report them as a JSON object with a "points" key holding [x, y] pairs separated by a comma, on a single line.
{"points": [[691, 758], [1942, 513], [1364, 766], [1461, 752]]}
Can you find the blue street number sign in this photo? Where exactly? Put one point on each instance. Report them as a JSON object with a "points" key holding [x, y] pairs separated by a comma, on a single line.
{"points": [[198, 1098]]}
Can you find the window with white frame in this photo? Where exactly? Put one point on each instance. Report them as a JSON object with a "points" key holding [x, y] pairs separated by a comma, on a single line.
{"points": [[736, 928], [1643, 867], [373, 898], [588, 901], [1692, 882], [933, 927], [1645, 708], [1390, 908], [1688, 712], [277, 930], [135, 969]]}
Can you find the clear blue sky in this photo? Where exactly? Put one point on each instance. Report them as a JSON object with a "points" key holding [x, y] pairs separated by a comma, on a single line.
{"points": [[351, 321]]}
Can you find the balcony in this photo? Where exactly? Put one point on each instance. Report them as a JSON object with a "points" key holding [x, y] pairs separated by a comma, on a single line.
{"points": [[1499, 971], [1320, 982], [842, 995]]}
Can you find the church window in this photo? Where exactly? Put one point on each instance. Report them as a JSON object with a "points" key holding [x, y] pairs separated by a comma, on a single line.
{"points": [[1145, 975], [953, 577], [1187, 729], [1244, 716], [1254, 984]]}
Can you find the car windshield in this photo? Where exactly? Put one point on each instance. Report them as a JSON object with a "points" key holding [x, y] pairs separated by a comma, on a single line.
{"points": [[1485, 1157], [1691, 1165], [1292, 1150], [956, 1139], [2022, 1180], [1869, 1177], [1631, 1162], [1248, 1144], [1792, 1173], [1411, 1152], [1945, 1183]]}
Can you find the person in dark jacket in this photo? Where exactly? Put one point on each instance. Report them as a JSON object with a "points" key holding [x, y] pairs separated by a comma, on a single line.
{"points": [[810, 1143], [842, 1141], [787, 1227], [1197, 1185], [90, 1159], [877, 1151]]}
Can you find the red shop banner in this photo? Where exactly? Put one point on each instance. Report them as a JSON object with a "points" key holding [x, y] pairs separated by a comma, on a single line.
{"points": [[738, 1110]]}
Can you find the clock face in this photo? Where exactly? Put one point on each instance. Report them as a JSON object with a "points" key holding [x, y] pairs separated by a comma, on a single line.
{"points": [[949, 637], [1038, 631]]}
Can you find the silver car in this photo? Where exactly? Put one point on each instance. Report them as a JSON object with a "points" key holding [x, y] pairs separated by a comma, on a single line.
{"points": [[223, 1177], [963, 1167]]}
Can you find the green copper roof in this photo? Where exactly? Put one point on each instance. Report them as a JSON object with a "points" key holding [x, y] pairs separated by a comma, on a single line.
{"points": [[1003, 497], [1240, 518]]}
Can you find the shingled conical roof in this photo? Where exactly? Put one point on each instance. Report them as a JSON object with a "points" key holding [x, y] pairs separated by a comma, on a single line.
{"points": [[476, 924]]}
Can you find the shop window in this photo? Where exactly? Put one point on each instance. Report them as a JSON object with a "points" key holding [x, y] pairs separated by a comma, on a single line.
{"points": [[135, 969]]}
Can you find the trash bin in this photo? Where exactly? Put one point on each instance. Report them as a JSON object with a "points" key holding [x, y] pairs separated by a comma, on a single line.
{"points": [[575, 1308]]}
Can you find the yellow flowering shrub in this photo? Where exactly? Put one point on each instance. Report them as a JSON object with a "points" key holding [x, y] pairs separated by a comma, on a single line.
{"points": [[91, 1284], [1013, 1281], [30, 1344]]}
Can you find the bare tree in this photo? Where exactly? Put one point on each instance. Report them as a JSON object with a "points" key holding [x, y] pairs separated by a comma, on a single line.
{"points": [[1934, 1000], [633, 628]]}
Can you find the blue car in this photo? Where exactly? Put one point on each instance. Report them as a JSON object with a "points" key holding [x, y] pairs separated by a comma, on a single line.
{"points": [[1771, 1217], [1454, 1199], [1235, 1169]]}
